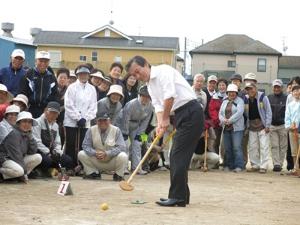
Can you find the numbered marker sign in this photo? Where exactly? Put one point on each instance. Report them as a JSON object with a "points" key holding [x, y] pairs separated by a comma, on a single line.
{"points": [[65, 188]]}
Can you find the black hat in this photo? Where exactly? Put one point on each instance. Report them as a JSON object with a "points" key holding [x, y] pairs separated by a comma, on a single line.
{"points": [[144, 91], [102, 116], [53, 107], [236, 76]]}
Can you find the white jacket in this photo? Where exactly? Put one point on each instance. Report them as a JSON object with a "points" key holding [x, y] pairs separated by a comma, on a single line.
{"points": [[80, 102]]}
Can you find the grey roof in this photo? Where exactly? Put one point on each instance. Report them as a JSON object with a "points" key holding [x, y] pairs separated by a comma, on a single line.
{"points": [[74, 39], [289, 62], [235, 44]]}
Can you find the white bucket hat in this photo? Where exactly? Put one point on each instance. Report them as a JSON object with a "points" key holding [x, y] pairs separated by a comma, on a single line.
{"points": [[21, 98], [12, 109], [26, 116], [97, 74], [72, 73], [250, 76], [9, 95], [232, 87], [115, 88]]}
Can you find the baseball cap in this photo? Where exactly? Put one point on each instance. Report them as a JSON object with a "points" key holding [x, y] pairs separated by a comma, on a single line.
{"points": [[42, 55], [102, 116], [277, 82], [18, 53], [236, 76], [53, 107], [212, 78]]}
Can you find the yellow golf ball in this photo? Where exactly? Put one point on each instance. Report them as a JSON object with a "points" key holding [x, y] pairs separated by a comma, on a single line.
{"points": [[104, 206]]}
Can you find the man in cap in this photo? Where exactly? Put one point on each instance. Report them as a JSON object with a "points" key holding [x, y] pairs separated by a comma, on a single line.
{"points": [[9, 120], [39, 85], [10, 76], [259, 117], [80, 108], [170, 92], [18, 151], [46, 134], [136, 116], [103, 150], [210, 90], [112, 103], [278, 133]]}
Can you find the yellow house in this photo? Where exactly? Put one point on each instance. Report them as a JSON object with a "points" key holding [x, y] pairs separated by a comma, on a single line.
{"points": [[104, 46]]}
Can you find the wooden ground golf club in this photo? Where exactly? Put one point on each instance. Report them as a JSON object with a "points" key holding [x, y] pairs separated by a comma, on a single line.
{"points": [[126, 185], [205, 169], [296, 166]]}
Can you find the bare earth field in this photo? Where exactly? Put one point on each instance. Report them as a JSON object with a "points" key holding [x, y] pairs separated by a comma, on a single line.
{"points": [[217, 198]]}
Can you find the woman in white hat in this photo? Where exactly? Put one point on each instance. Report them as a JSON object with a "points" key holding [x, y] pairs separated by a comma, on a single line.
{"points": [[21, 101], [104, 87], [18, 152], [232, 120], [10, 118], [5, 99], [96, 80], [111, 104], [80, 109]]}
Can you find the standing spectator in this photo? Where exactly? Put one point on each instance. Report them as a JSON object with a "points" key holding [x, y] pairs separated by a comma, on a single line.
{"points": [[112, 103], [210, 90], [214, 108], [21, 101], [72, 78], [278, 133], [96, 80], [292, 121], [10, 118], [259, 118], [39, 85], [104, 87], [130, 89], [10, 76], [5, 99], [135, 119], [237, 80], [80, 109], [46, 134], [62, 75], [198, 83], [18, 151], [232, 119], [115, 73]]}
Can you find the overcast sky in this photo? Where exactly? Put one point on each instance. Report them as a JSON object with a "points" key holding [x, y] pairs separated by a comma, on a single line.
{"points": [[267, 21]]}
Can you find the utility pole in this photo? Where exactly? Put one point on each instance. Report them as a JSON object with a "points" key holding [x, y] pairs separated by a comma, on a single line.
{"points": [[184, 57]]}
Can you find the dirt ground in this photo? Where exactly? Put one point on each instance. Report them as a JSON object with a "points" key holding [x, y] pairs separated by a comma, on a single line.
{"points": [[217, 198]]}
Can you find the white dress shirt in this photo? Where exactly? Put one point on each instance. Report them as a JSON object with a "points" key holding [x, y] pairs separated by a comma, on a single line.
{"points": [[80, 102], [166, 82]]}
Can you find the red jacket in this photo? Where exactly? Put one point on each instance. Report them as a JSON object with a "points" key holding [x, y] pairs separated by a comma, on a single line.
{"points": [[2, 110], [214, 108]]}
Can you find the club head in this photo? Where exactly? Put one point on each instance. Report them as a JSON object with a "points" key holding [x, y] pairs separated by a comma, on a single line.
{"points": [[125, 186]]}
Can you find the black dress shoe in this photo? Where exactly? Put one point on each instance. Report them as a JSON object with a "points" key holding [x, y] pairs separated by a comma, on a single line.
{"points": [[116, 177], [172, 202], [92, 176], [165, 199]]}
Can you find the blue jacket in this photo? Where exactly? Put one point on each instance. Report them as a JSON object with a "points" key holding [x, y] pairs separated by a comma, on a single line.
{"points": [[237, 118], [11, 78], [292, 114], [264, 109]]}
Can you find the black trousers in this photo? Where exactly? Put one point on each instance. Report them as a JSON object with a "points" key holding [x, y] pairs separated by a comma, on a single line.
{"points": [[189, 122], [72, 136], [48, 162]]}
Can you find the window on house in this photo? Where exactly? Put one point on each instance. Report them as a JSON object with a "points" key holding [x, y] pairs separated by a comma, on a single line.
{"points": [[107, 33], [261, 65], [82, 58], [94, 56], [55, 59], [118, 59], [231, 63]]}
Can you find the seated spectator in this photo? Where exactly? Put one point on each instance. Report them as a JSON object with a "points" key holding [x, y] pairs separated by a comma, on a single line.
{"points": [[18, 151], [232, 120], [130, 89], [103, 150], [5, 99], [11, 75], [135, 119], [111, 104], [21, 101], [10, 118], [46, 134]]}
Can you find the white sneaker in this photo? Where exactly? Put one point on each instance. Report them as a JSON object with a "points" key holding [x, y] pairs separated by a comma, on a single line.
{"points": [[142, 172], [237, 170]]}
